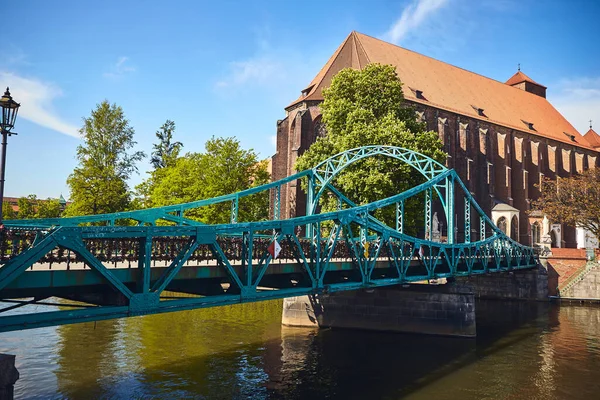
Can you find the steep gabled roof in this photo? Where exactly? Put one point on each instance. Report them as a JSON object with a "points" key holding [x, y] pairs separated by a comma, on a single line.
{"points": [[447, 87], [349, 54], [521, 77], [592, 138]]}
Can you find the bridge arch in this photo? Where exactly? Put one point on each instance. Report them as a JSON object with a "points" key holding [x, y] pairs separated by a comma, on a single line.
{"points": [[324, 172]]}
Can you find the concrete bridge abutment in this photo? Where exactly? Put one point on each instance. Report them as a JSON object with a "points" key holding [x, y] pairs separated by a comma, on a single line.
{"points": [[428, 309], [446, 309]]}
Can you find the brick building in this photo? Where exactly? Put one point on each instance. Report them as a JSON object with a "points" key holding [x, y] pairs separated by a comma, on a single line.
{"points": [[501, 138], [14, 203]]}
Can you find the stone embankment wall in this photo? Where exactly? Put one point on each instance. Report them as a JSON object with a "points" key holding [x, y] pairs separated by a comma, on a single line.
{"points": [[586, 286], [562, 266]]}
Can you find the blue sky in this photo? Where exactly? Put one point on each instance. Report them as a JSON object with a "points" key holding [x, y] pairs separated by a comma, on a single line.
{"points": [[229, 68]]}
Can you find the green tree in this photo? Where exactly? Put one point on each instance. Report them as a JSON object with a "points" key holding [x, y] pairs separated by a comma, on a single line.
{"points": [[574, 201], [49, 208], [8, 212], [366, 107], [224, 168], [165, 151], [106, 161], [27, 206]]}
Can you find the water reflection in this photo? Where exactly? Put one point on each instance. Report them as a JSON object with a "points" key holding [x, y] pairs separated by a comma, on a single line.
{"points": [[523, 351]]}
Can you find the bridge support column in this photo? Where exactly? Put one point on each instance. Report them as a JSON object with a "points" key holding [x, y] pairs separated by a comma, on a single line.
{"points": [[8, 376], [427, 309]]}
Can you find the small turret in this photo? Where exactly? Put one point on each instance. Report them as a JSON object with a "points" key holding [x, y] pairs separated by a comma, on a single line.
{"points": [[523, 82]]}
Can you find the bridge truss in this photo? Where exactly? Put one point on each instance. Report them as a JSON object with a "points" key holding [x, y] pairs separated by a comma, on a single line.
{"points": [[159, 260]]}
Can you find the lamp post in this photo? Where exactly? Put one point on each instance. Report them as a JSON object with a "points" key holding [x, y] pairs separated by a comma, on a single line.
{"points": [[9, 115]]}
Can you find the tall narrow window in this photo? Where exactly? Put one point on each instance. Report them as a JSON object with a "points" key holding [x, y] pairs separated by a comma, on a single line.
{"points": [[514, 228], [535, 233], [501, 224]]}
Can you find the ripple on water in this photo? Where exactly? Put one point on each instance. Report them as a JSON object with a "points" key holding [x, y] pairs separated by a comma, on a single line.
{"points": [[241, 351]]}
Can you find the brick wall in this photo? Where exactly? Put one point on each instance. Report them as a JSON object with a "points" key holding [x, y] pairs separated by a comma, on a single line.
{"points": [[496, 163]]}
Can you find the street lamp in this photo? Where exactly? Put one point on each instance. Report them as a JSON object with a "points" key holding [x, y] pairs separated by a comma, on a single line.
{"points": [[9, 115]]}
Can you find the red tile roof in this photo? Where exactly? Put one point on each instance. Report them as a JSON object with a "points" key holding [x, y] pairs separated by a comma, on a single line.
{"points": [[593, 138], [521, 77], [447, 87]]}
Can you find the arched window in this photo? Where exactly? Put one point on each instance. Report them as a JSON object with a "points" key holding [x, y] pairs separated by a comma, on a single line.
{"points": [[292, 135], [319, 128], [514, 228], [535, 233], [501, 224]]}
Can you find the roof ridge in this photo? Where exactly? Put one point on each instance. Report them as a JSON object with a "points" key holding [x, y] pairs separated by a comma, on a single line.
{"points": [[440, 61], [315, 82], [357, 39]]}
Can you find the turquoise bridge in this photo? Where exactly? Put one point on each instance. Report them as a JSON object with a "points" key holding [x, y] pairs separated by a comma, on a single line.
{"points": [[159, 260]]}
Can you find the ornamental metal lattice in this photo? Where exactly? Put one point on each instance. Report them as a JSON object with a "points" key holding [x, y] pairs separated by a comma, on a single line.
{"points": [[159, 260]]}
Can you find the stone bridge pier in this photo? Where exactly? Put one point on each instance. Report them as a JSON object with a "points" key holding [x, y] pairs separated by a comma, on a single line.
{"points": [[446, 309], [8, 376]]}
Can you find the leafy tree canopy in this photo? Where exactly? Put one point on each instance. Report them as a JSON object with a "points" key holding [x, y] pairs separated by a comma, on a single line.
{"points": [[224, 168], [32, 207], [573, 201], [366, 107], [106, 161], [8, 212], [27, 206], [49, 208]]}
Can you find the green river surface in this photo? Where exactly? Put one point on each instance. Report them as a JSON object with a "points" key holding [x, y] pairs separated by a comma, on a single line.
{"points": [[522, 351]]}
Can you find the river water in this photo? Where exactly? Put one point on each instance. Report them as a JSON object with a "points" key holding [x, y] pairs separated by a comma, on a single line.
{"points": [[523, 351]]}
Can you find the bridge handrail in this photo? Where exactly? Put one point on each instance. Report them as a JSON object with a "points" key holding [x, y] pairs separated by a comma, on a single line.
{"points": [[438, 172], [146, 214]]}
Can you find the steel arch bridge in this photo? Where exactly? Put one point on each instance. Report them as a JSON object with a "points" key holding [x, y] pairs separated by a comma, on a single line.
{"points": [[159, 260]]}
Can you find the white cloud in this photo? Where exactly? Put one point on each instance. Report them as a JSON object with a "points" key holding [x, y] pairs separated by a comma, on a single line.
{"points": [[14, 56], [412, 17], [120, 68], [256, 70], [36, 99], [578, 99], [273, 139]]}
